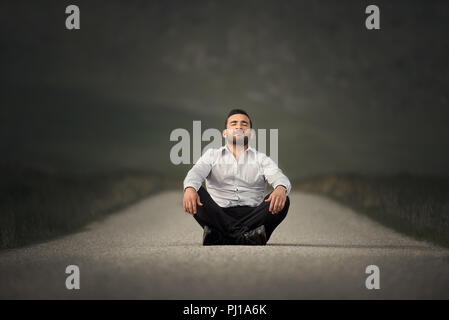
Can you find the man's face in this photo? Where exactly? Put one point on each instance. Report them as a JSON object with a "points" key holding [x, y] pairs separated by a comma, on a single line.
{"points": [[238, 129]]}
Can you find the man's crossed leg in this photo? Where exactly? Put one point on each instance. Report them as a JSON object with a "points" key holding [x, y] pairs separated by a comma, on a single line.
{"points": [[235, 225]]}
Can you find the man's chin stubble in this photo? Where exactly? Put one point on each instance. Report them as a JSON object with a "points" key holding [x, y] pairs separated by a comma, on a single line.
{"points": [[245, 142]]}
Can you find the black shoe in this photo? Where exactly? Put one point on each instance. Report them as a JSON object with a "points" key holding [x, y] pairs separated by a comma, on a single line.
{"points": [[256, 237], [212, 237]]}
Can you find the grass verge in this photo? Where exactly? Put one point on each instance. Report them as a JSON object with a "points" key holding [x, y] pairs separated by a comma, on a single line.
{"points": [[37, 205], [417, 206]]}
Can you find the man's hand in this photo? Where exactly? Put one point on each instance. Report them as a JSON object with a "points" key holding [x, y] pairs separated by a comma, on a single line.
{"points": [[191, 199], [277, 199]]}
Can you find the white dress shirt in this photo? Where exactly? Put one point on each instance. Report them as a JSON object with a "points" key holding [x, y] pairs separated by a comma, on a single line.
{"points": [[231, 183]]}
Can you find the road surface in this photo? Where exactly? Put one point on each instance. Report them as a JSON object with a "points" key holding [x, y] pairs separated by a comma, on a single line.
{"points": [[152, 250]]}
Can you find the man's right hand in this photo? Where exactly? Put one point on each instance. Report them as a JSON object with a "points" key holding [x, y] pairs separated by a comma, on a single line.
{"points": [[191, 199]]}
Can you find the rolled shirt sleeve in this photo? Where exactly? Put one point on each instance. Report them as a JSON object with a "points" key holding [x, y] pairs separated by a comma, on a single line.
{"points": [[199, 171], [275, 177]]}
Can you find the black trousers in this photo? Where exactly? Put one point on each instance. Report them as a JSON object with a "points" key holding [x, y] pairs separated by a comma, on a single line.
{"points": [[234, 221]]}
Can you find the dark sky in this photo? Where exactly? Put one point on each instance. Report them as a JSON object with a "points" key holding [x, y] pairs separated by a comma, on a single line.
{"points": [[107, 96]]}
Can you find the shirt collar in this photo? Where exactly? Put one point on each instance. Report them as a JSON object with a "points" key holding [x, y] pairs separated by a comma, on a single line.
{"points": [[249, 149]]}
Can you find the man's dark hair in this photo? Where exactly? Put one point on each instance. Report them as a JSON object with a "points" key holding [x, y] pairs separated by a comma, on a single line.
{"points": [[237, 111]]}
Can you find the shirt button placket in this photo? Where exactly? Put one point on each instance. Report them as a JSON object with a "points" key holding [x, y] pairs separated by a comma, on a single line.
{"points": [[235, 185]]}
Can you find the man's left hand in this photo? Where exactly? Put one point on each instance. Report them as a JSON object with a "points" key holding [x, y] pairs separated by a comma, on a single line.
{"points": [[277, 199]]}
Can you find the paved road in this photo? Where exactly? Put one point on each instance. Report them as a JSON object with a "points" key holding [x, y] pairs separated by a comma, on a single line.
{"points": [[152, 250]]}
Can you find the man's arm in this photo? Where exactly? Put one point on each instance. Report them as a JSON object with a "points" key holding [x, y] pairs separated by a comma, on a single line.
{"points": [[193, 181], [199, 171], [273, 174], [278, 181]]}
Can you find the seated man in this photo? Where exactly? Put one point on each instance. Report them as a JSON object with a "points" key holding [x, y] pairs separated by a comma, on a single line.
{"points": [[233, 210]]}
